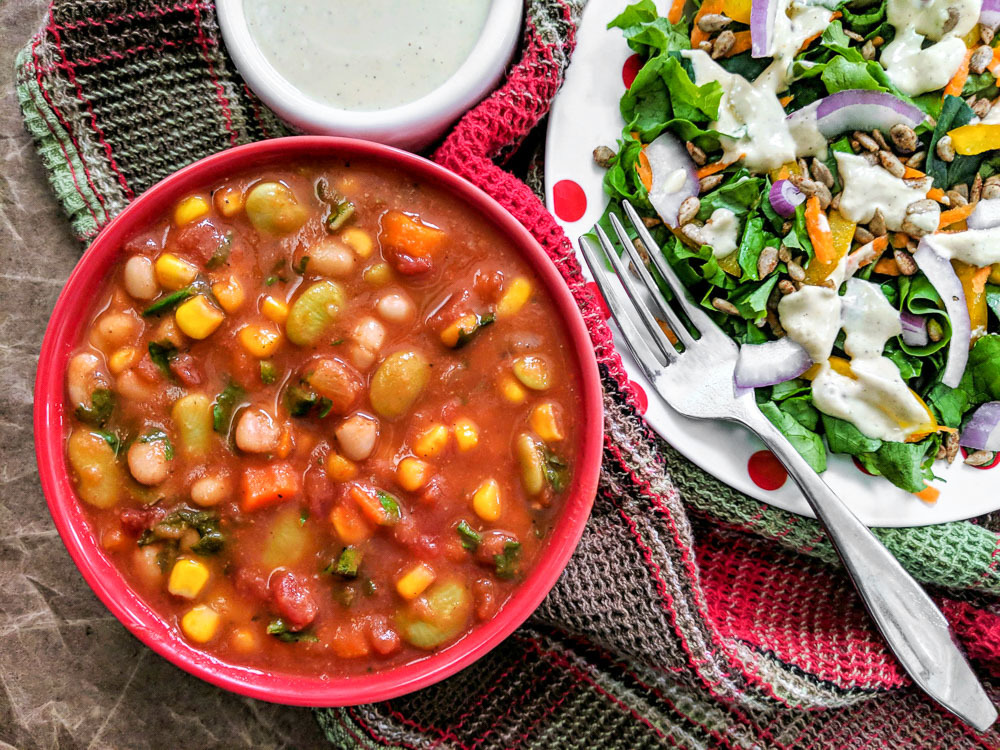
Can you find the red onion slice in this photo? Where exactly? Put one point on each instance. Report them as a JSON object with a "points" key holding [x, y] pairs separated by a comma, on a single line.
{"points": [[770, 363], [914, 329], [859, 109], [989, 14], [942, 276], [784, 197], [981, 431], [762, 27], [986, 214], [675, 176]]}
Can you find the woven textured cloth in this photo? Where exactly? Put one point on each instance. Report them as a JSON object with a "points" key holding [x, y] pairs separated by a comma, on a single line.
{"points": [[690, 615]]}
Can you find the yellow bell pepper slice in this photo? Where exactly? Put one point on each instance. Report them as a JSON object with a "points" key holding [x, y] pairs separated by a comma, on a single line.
{"points": [[970, 140], [974, 281], [738, 10], [731, 264], [843, 235]]}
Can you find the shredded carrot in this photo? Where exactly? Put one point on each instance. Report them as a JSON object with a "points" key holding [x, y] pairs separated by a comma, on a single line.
{"points": [[994, 66], [667, 331], [929, 494], [957, 83], [979, 279], [955, 215], [742, 43], [818, 34], [676, 11], [818, 228], [937, 194], [876, 247], [707, 8], [644, 170], [912, 174], [887, 267], [785, 101], [898, 239], [718, 166]]}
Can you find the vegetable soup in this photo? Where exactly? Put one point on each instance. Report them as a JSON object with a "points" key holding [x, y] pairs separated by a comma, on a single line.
{"points": [[323, 418]]}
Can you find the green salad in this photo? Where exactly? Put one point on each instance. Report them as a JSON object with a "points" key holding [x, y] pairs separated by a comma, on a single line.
{"points": [[825, 180]]}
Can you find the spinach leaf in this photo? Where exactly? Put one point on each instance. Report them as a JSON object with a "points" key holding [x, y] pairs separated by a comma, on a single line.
{"points": [[948, 404], [469, 536], [280, 630], [507, 564], [954, 113], [844, 437], [225, 402], [921, 298], [159, 436], [210, 537], [805, 441], [161, 352], [169, 302], [740, 194], [102, 404], [751, 299], [751, 243], [900, 463], [981, 381]]}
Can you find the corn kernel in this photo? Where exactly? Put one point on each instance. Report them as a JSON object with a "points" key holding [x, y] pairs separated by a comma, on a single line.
{"points": [[465, 324], [466, 434], [512, 390], [486, 500], [514, 297], [198, 318], [412, 473], [431, 441], [340, 469], [228, 201], [244, 640], [187, 578], [123, 359], [359, 241], [259, 340], [190, 209], [378, 274], [229, 293], [545, 422], [200, 623], [415, 581], [174, 273], [274, 309]]}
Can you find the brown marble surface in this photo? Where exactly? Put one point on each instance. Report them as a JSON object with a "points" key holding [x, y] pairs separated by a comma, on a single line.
{"points": [[71, 676]]}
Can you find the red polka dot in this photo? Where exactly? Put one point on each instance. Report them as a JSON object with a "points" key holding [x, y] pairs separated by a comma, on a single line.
{"points": [[642, 400], [766, 470], [569, 200], [593, 289], [861, 466], [631, 69], [990, 465]]}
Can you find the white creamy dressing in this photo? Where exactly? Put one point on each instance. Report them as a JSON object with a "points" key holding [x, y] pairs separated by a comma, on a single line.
{"points": [[867, 188], [721, 232], [750, 115], [876, 400], [368, 55], [915, 69], [977, 247]]}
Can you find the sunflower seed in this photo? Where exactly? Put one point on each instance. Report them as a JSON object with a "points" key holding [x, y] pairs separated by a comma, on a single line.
{"points": [[862, 235], [705, 45], [962, 189], [696, 154], [835, 203], [980, 458], [866, 141], [904, 138], [772, 320], [917, 160], [986, 34], [712, 22], [868, 50], [981, 107], [880, 140], [922, 218], [853, 35], [767, 261], [951, 446], [982, 57], [693, 233], [723, 43], [603, 156], [711, 182], [904, 261], [871, 157], [821, 172], [877, 225], [641, 249], [956, 199], [796, 271], [688, 210], [785, 286], [944, 149], [977, 189], [784, 254], [650, 221], [991, 191], [725, 306], [950, 22], [891, 164]]}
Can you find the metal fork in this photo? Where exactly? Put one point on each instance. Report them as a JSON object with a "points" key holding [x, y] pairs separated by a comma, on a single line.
{"points": [[698, 383]]}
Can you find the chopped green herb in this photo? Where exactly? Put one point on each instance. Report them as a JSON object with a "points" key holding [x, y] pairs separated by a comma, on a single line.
{"points": [[225, 402], [340, 214], [469, 536], [300, 266], [161, 352], [210, 538], [268, 372], [325, 407], [169, 302], [277, 273], [102, 404], [300, 401], [221, 254], [346, 564], [111, 439], [159, 436], [556, 471], [391, 506], [465, 336], [280, 630], [508, 563]]}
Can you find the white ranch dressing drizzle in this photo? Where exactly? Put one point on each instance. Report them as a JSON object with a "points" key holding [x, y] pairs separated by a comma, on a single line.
{"points": [[977, 247], [365, 55], [915, 69], [876, 400], [867, 188], [720, 231]]}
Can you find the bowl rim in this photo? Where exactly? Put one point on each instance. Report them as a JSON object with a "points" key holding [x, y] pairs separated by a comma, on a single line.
{"points": [[108, 583], [471, 80]]}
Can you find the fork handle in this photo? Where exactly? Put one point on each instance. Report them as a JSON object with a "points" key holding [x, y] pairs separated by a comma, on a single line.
{"points": [[916, 631]]}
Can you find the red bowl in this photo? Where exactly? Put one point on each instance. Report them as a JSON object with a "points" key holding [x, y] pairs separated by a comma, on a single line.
{"points": [[74, 306]]}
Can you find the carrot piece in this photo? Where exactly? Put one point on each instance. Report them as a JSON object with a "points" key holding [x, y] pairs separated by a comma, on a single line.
{"points": [[742, 43], [818, 34], [349, 525], [873, 250], [285, 444], [955, 215], [372, 506], [994, 66], [912, 174], [936, 194], [785, 101], [267, 485], [408, 234], [644, 170], [818, 228], [718, 166], [676, 11], [957, 83], [667, 331], [887, 267], [898, 240], [707, 8], [929, 494]]}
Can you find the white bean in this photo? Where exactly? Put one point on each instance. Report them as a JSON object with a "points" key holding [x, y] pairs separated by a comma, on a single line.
{"points": [[140, 279], [133, 387], [257, 432], [211, 490], [361, 356], [395, 307], [369, 333], [148, 462], [356, 436], [85, 374], [330, 257], [114, 330], [146, 564]]}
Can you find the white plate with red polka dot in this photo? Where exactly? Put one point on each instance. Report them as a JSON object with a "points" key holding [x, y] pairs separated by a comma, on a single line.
{"points": [[585, 115]]}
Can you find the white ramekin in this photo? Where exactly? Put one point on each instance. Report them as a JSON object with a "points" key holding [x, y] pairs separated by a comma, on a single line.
{"points": [[412, 125]]}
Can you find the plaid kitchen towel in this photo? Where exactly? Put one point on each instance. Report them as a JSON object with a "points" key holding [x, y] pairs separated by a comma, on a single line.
{"points": [[691, 615]]}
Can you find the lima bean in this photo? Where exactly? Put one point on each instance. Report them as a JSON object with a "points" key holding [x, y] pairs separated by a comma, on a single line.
{"points": [[529, 457], [398, 382], [313, 311], [444, 612], [98, 476], [192, 415], [272, 207]]}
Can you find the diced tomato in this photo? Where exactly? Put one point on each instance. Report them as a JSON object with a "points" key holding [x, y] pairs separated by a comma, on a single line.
{"points": [[383, 638], [186, 369], [293, 600]]}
